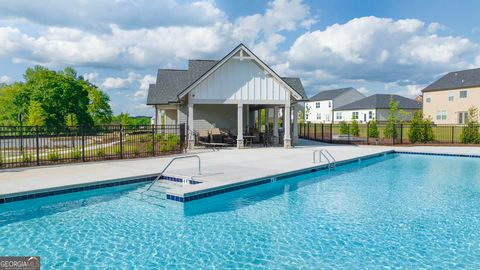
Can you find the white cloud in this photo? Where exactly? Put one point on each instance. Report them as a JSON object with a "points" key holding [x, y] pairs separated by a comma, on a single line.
{"points": [[117, 82], [145, 82], [91, 76], [4, 79], [98, 15], [381, 50]]}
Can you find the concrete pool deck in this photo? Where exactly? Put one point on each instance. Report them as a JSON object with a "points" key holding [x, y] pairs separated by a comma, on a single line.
{"points": [[219, 169]]}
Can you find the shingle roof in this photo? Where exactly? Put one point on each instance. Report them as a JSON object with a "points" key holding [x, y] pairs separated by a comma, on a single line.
{"points": [[171, 82], [456, 79], [330, 94], [380, 101], [297, 85]]}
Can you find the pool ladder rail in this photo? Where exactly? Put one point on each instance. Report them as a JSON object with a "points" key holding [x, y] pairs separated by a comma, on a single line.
{"points": [[332, 163], [170, 163]]}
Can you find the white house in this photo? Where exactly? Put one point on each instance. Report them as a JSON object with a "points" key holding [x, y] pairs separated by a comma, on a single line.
{"points": [[375, 107], [320, 107], [227, 94]]}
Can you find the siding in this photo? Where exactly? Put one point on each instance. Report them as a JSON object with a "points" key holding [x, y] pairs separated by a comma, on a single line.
{"points": [[240, 81]]}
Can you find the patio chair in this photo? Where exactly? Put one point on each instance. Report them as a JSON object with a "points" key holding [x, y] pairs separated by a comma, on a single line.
{"points": [[216, 135], [203, 136]]}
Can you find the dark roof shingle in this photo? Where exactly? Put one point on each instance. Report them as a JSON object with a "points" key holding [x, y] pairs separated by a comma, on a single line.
{"points": [[456, 79], [330, 94], [380, 101]]}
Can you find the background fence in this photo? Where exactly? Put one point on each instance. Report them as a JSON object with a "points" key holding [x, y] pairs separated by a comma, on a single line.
{"points": [[332, 133], [35, 145]]}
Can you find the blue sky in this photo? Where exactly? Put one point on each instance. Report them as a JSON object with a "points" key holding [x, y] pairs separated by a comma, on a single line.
{"points": [[376, 46]]}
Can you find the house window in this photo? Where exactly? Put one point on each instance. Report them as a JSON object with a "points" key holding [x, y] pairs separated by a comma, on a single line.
{"points": [[428, 99], [450, 96], [370, 114], [441, 115], [317, 105], [319, 116], [463, 94], [354, 115], [462, 117], [338, 115], [329, 104]]}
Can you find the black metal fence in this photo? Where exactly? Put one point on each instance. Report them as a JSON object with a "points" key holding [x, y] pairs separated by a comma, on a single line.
{"points": [[36, 145], [338, 133]]}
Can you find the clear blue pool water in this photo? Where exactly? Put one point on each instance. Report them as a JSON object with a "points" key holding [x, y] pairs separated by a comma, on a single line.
{"points": [[400, 211]]}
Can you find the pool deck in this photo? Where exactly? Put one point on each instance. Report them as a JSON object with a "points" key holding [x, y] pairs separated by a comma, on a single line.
{"points": [[227, 167]]}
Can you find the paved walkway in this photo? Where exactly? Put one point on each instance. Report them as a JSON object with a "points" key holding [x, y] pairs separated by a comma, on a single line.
{"points": [[218, 168]]}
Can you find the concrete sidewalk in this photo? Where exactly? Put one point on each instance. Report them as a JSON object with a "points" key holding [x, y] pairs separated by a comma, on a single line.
{"points": [[227, 166]]}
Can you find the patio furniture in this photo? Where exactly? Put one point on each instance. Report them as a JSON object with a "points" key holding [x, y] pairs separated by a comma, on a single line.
{"points": [[203, 136], [216, 135], [248, 139]]}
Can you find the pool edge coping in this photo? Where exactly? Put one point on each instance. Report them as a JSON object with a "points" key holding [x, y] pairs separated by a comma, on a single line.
{"points": [[196, 195]]}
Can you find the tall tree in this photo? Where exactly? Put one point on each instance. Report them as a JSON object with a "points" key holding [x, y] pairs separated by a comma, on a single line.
{"points": [[99, 107], [392, 119], [36, 114]]}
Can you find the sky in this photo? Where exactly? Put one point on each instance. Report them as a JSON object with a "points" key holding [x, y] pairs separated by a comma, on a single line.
{"points": [[384, 46]]}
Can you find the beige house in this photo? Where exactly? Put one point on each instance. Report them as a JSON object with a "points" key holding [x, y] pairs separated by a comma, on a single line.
{"points": [[447, 100], [227, 94]]}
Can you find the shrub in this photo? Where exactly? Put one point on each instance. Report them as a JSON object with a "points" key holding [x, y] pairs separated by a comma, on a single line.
{"points": [[344, 128], [100, 152], [354, 129], [373, 129], [392, 118], [415, 133], [76, 153], [149, 148], [135, 151], [53, 155], [428, 131], [27, 158], [117, 150], [470, 133]]}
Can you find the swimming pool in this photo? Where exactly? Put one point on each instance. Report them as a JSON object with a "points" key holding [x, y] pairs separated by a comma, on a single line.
{"points": [[405, 211]]}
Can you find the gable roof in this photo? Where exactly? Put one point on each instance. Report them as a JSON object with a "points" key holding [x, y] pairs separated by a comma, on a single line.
{"points": [[456, 79], [331, 94], [380, 101], [172, 84]]}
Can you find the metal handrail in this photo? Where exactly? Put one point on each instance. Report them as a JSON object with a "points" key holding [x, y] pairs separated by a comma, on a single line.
{"points": [[168, 165], [331, 156], [321, 152]]}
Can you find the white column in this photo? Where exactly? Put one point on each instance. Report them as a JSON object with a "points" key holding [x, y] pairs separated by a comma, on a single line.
{"points": [[240, 126], [287, 141], [191, 135], [295, 124], [259, 119], [275, 125]]}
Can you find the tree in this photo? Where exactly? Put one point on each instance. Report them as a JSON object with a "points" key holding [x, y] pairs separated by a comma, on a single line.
{"points": [[71, 120], [392, 118], [415, 133], [355, 130], [99, 107], [12, 102], [344, 128], [36, 114], [125, 119], [373, 129], [470, 133], [60, 94], [428, 130]]}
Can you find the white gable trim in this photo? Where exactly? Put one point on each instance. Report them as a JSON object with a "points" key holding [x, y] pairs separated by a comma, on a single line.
{"points": [[251, 57]]}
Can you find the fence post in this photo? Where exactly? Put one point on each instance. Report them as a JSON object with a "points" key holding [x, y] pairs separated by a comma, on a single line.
{"points": [[401, 133], [153, 140], [322, 132], [315, 131], [348, 133], [82, 130], [37, 144], [308, 131], [331, 133], [453, 134], [368, 132], [121, 141]]}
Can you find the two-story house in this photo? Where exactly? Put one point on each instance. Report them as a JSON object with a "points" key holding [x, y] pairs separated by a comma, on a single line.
{"points": [[320, 107], [447, 100]]}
